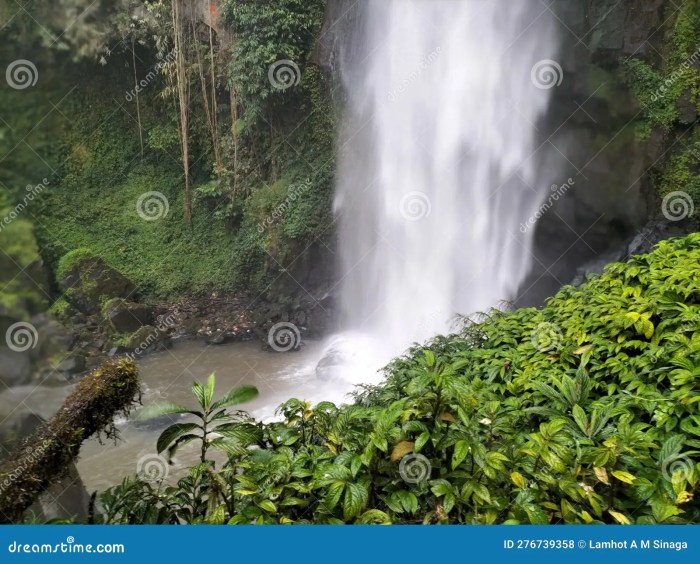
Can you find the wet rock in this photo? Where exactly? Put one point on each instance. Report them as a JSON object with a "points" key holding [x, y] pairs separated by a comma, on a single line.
{"points": [[72, 365], [15, 367], [218, 338], [127, 317], [90, 281], [146, 340], [687, 109]]}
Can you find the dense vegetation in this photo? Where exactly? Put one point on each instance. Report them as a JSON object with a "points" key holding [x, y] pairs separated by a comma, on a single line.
{"points": [[585, 411], [253, 146], [662, 89]]}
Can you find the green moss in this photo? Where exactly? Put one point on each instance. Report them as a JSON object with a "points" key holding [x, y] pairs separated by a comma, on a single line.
{"points": [[60, 308], [72, 259], [658, 89]]}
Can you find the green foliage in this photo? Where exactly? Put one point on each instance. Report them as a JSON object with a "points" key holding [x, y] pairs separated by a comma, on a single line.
{"points": [[585, 411], [266, 32], [215, 427], [658, 90]]}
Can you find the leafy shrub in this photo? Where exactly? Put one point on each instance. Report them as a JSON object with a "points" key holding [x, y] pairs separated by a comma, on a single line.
{"points": [[584, 411]]}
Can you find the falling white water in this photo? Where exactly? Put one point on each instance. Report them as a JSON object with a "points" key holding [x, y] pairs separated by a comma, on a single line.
{"points": [[438, 165]]}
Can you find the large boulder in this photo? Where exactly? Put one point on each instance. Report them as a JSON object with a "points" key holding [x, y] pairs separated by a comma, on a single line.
{"points": [[127, 317], [88, 281]]}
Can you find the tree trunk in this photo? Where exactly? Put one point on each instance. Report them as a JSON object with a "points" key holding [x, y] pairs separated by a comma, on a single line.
{"points": [[108, 391]]}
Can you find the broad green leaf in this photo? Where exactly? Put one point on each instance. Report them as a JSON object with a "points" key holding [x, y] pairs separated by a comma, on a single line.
{"points": [[172, 433], [236, 396], [159, 409], [374, 517], [619, 517], [356, 497], [461, 450], [518, 479], [602, 475], [267, 505], [624, 476]]}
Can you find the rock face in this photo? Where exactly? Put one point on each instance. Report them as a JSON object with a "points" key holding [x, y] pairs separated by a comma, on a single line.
{"points": [[90, 281], [127, 317], [592, 122]]}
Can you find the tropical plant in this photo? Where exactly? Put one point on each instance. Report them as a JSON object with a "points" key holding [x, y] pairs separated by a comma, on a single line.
{"points": [[215, 427], [584, 411]]}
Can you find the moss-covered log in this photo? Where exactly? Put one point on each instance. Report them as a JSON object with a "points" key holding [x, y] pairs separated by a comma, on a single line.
{"points": [[107, 392]]}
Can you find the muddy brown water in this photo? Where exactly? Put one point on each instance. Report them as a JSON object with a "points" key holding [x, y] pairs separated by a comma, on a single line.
{"points": [[167, 377]]}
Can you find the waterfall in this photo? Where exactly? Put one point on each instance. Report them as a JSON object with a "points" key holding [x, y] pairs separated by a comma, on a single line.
{"points": [[439, 164]]}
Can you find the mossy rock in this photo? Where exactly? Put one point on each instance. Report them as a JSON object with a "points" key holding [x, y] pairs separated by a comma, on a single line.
{"points": [[146, 340], [88, 281], [127, 317]]}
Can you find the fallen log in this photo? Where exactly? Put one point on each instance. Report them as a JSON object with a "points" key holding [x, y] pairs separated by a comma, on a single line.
{"points": [[105, 393]]}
